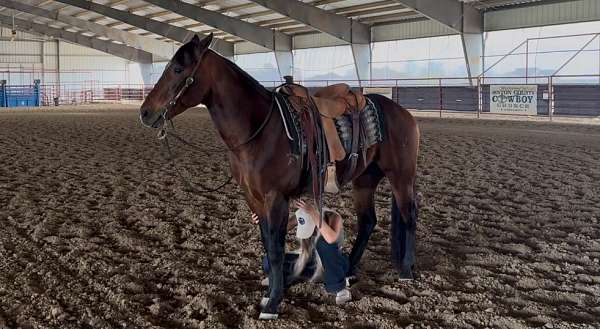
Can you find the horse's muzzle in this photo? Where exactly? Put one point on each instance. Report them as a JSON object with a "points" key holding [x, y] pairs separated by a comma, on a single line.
{"points": [[151, 119]]}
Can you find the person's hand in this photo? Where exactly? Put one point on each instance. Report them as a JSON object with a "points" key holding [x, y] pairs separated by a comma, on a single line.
{"points": [[309, 207], [255, 218]]}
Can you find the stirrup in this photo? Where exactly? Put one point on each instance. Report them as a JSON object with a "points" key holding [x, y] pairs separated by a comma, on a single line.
{"points": [[331, 185]]}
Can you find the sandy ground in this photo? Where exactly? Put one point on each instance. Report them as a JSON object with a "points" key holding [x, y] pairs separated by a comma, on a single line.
{"points": [[96, 231]]}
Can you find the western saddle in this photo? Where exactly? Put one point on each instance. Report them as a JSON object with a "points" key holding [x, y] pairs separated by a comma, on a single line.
{"points": [[331, 103]]}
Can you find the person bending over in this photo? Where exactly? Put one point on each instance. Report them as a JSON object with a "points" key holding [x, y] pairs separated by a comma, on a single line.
{"points": [[320, 256]]}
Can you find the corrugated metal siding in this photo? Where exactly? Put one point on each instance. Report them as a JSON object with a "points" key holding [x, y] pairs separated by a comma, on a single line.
{"points": [[20, 51], [79, 63], [21, 63], [542, 15], [577, 100], [248, 48], [410, 30], [90, 63], [316, 41], [50, 62], [69, 49]]}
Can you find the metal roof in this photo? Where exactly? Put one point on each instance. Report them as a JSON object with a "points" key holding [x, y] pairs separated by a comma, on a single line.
{"points": [[369, 13]]}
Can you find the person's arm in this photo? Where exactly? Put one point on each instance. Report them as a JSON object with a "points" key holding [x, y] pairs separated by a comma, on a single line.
{"points": [[290, 225], [330, 232]]}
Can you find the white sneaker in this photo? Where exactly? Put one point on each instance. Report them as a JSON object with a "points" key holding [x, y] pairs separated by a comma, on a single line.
{"points": [[343, 296], [267, 316], [264, 282]]}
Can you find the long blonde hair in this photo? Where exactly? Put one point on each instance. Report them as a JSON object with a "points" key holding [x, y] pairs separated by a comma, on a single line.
{"points": [[307, 249]]}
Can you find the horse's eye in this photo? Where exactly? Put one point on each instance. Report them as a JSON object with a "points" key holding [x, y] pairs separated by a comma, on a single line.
{"points": [[178, 70]]}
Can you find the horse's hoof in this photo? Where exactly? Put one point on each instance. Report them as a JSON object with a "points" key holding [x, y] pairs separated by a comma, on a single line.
{"points": [[268, 316], [406, 275], [264, 301]]}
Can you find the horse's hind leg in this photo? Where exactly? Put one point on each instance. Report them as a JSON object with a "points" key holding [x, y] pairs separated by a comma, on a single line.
{"points": [[404, 224], [363, 189]]}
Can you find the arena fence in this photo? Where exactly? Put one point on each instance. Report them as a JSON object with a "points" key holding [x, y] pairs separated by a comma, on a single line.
{"points": [[564, 95], [577, 95], [92, 92]]}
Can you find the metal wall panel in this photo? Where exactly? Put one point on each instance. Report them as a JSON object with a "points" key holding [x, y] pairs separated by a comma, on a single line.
{"points": [[248, 48], [409, 30], [67, 49], [20, 51], [50, 60], [577, 100], [542, 15], [299, 42], [91, 63], [303, 41], [457, 98]]}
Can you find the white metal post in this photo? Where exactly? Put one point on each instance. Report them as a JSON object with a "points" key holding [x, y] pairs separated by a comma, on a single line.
{"points": [[479, 97], [551, 97]]}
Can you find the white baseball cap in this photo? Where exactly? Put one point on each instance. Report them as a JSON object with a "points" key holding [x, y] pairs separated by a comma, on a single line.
{"points": [[306, 226]]}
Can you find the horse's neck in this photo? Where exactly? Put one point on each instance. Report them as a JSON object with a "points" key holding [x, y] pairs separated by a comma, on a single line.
{"points": [[236, 105]]}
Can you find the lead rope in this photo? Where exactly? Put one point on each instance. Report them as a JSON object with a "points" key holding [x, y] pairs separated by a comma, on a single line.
{"points": [[164, 134], [171, 159]]}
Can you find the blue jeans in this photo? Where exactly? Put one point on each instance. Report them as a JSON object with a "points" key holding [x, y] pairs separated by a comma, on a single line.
{"points": [[335, 266]]}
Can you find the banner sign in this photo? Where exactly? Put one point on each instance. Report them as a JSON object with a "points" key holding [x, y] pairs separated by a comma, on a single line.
{"points": [[514, 99], [387, 92]]}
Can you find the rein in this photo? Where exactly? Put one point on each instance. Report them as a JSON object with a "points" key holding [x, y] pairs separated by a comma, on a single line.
{"points": [[171, 159]]}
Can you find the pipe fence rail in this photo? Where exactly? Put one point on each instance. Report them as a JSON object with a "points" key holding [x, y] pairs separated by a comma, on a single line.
{"points": [[560, 95]]}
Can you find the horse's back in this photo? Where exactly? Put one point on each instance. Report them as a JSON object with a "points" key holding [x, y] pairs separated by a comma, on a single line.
{"points": [[395, 115]]}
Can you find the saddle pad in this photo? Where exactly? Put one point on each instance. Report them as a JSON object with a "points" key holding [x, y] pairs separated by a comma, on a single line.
{"points": [[371, 119]]}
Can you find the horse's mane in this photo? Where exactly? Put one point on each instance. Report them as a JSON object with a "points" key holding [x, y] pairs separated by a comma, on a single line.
{"points": [[243, 74], [253, 83]]}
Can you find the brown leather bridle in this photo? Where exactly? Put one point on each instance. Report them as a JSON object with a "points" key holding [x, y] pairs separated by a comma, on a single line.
{"points": [[171, 104]]}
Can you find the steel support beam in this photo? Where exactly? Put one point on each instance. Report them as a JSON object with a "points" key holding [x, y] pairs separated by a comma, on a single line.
{"points": [[472, 44], [362, 61], [285, 63], [112, 48], [337, 26], [146, 71], [261, 36], [462, 18], [163, 29], [162, 50]]}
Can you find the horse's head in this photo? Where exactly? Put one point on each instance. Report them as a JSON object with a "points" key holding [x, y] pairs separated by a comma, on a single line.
{"points": [[170, 96]]}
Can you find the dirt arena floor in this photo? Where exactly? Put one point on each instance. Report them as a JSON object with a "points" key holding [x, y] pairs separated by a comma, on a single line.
{"points": [[96, 231]]}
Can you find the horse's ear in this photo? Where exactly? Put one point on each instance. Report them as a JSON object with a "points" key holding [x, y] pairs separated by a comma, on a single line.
{"points": [[195, 39], [204, 43]]}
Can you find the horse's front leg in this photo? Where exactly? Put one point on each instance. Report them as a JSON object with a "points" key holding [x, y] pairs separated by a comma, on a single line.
{"points": [[273, 230]]}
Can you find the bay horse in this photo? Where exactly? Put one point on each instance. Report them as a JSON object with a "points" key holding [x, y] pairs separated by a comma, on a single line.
{"points": [[242, 112]]}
